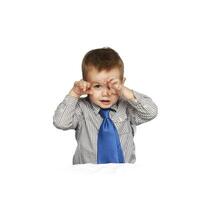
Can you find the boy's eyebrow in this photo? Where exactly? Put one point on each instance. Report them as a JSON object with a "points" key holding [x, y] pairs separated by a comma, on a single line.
{"points": [[96, 82], [100, 81]]}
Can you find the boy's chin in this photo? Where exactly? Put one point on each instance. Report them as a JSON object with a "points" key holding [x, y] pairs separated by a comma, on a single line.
{"points": [[103, 106]]}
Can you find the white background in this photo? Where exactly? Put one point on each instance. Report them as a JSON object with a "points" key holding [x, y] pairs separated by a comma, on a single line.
{"points": [[42, 44]]}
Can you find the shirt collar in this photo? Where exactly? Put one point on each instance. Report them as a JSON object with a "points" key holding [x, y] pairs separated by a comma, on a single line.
{"points": [[96, 108]]}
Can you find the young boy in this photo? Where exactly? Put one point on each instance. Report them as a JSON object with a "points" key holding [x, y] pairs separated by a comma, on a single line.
{"points": [[105, 120]]}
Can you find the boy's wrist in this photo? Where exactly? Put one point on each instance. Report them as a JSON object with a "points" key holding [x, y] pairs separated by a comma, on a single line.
{"points": [[128, 94], [73, 94]]}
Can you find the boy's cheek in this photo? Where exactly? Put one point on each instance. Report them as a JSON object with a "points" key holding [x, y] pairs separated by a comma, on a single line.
{"points": [[93, 93], [93, 98]]}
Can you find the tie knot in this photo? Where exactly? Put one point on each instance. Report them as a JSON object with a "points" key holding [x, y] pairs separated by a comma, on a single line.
{"points": [[104, 113]]}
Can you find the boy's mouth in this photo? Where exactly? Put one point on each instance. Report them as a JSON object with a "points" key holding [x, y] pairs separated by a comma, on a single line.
{"points": [[105, 102]]}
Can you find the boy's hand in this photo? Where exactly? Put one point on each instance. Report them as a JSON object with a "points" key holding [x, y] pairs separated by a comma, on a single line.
{"points": [[80, 88], [115, 86]]}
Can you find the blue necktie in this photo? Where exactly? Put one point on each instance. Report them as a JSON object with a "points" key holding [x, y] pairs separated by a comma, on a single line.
{"points": [[108, 144]]}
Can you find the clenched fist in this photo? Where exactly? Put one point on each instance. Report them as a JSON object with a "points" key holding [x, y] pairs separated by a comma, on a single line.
{"points": [[80, 88]]}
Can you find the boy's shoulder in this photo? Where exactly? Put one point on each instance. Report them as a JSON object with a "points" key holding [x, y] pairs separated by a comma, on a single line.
{"points": [[84, 99], [84, 102]]}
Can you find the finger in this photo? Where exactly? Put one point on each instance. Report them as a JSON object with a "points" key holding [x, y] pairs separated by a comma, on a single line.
{"points": [[114, 84], [88, 85], [81, 87], [110, 78], [77, 85], [84, 86], [110, 86], [115, 80], [112, 91], [89, 91]]}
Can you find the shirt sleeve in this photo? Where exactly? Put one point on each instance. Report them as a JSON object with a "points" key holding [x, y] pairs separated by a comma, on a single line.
{"points": [[142, 109], [67, 114]]}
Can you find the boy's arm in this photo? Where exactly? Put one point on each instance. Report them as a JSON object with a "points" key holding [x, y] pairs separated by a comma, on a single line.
{"points": [[67, 114], [141, 108]]}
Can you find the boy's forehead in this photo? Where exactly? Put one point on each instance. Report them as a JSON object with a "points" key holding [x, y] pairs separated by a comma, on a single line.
{"points": [[101, 76], [98, 81]]}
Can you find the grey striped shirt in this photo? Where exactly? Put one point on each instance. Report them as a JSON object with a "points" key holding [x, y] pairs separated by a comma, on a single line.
{"points": [[83, 116]]}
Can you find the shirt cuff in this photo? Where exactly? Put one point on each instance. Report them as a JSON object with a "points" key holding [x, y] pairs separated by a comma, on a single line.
{"points": [[137, 98], [70, 99]]}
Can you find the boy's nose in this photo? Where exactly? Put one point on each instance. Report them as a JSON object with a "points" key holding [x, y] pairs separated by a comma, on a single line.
{"points": [[105, 92]]}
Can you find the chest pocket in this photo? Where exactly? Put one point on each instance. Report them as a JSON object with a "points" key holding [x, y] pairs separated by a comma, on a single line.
{"points": [[123, 125]]}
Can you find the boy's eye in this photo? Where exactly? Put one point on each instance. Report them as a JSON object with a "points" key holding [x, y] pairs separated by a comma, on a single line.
{"points": [[97, 86]]}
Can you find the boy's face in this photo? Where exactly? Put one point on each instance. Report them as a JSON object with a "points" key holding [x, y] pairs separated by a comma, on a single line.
{"points": [[100, 91]]}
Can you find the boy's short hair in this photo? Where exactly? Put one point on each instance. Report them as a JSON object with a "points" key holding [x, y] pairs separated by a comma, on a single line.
{"points": [[102, 59]]}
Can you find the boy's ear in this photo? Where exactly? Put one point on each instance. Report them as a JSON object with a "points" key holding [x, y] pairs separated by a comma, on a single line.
{"points": [[124, 79]]}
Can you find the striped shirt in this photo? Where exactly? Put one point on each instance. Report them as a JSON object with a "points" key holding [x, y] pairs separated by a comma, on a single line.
{"points": [[83, 116]]}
